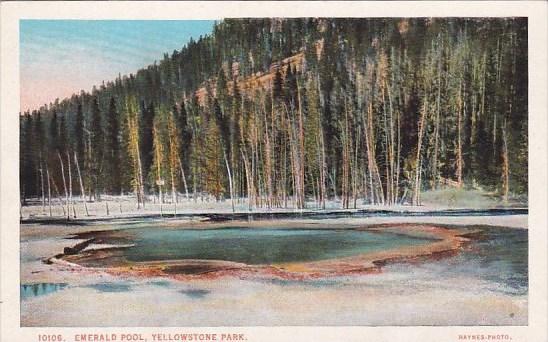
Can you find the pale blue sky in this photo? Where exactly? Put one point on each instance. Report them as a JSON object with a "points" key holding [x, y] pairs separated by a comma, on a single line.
{"points": [[61, 57]]}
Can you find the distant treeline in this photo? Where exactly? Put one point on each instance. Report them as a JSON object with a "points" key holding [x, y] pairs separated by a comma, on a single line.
{"points": [[290, 110]]}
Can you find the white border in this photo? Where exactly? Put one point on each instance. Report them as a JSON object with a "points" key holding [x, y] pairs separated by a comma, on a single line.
{"points": [[536, 11]]}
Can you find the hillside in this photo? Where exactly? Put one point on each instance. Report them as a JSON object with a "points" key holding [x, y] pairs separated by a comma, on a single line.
{"points": [[284, 111], [259, 81]]}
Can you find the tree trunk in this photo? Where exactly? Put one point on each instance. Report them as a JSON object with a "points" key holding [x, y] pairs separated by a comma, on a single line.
{"points": [[83, 194], [64, 185], [183, 177], [159, 180], [173, 190], [391, 153], [268, 163], [70, 183], [59, 197], [301, 148], [369, 159], [505, 165], [140, 182], [49, 190], [230, 183], [323, 168], [248, 180], [434, 181], [418, 162], [398, 157], [459, 139], [355, 169], [345, 139], [42, 188]]}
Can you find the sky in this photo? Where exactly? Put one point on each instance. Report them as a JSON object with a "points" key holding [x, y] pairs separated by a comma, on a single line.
{"points": [[62, 57]]}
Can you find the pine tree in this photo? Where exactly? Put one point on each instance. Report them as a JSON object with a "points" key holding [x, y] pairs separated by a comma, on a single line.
{"points": [[174, 155], [79, 132], [278, 84], [185, 142], [113, 149], [146, 136], [158, 169], [213, 161], [97, 146], [29, 184], [133, 150], [38, 150], [53, 133], [62, 145]]}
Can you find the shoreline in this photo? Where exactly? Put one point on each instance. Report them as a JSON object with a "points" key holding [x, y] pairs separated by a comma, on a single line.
{"points": [[444, 242], [58, 235], [283, 214]]}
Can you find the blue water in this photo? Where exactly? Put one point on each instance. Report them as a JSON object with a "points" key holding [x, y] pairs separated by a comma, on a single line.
{"points": [[259, 246], [500, 256], [110, 287], [497, 257], [40, 289], [195, 293]]}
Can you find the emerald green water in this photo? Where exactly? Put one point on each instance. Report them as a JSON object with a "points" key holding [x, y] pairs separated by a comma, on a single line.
{"points": [[259, 246]]}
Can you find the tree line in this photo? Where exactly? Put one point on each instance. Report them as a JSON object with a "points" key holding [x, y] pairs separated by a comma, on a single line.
{"points": [[376, 111]]}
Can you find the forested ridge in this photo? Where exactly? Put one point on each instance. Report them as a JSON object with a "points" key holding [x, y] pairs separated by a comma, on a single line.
{"points": [[295, 112]]}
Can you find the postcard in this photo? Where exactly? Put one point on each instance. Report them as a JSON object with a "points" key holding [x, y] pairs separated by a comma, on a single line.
{"points": [[273, 171]]}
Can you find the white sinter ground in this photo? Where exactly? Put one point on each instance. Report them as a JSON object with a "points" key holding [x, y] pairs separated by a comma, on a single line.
{"points": [[437, 292]]}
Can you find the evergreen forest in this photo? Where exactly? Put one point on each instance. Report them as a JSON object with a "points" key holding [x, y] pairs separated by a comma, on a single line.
{"points": [[295, 113]]}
